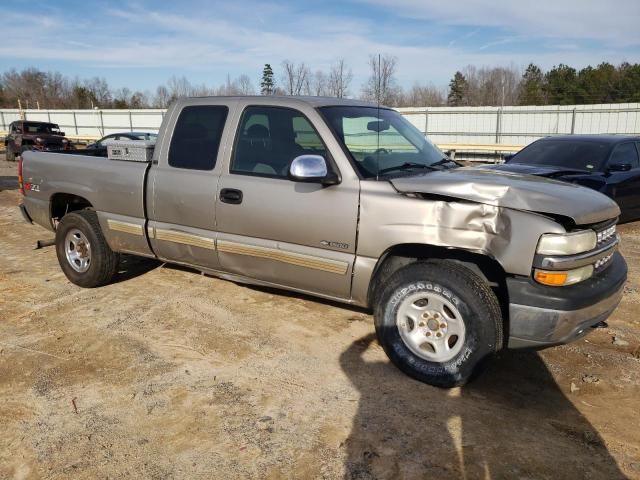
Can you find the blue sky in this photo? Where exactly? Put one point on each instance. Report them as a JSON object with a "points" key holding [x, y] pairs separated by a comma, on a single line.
{"points": [[140, 44]]}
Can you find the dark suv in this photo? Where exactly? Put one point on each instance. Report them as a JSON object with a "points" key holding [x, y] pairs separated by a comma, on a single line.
{"points": [[27, 135]]}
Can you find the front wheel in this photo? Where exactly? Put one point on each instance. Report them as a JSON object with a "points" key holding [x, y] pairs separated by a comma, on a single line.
{"points": [[438, 322], [83, 253]]}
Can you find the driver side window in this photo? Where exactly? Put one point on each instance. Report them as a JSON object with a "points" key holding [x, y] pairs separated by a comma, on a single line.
{"points": [[625, 154], [268, 140]]}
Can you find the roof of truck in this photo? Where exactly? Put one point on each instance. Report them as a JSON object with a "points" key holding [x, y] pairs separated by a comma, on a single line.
{"points": [[299, 99], [593, 137]]}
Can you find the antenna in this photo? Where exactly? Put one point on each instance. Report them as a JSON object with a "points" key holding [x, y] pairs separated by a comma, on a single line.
{"points": [[378, 94]]}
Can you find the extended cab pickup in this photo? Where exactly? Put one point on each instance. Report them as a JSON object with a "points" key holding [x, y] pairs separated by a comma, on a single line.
{"points": [[347, 201]]}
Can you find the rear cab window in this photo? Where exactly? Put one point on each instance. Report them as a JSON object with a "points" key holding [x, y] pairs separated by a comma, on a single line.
{"points": [[197, 136]]}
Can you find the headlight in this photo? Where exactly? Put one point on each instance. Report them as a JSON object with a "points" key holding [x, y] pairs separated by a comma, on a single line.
{"points": [[39, 140], [561, 279], [567, 243], [64, 140]]}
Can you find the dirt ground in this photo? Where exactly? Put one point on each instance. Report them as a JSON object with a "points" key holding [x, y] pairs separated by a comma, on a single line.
{"points": [[167, 373]]}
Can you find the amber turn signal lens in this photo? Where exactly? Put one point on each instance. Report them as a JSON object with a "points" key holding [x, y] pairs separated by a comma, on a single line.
{"points": [[560, 279], [555, 279]]}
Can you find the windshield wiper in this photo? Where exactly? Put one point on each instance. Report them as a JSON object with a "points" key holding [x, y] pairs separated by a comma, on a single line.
{"points": [[406, 166], [443, 161]]}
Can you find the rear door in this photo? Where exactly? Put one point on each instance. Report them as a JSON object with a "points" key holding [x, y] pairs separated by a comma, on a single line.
{"points": [[299, 235], [182, 186], [625, 186]]}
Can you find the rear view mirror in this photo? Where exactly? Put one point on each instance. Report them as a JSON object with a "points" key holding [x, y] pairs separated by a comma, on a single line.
{"points": [[620, 167], [378, 126]]}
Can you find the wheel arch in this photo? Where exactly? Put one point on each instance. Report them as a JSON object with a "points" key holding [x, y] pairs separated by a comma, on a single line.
{"points": [[485, 266], [62, 203]]}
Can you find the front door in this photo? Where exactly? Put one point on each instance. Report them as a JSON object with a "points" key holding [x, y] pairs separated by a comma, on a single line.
{"points": [[300, 235]]}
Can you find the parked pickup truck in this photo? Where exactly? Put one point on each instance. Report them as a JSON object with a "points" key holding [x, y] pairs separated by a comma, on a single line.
{"points": [[347, 201]]}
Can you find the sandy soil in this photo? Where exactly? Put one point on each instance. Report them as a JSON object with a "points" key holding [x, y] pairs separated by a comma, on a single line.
{"points": [[167, 373]]}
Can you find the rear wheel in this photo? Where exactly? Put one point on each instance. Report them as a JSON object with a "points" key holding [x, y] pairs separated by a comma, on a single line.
{"points": [[11, 153], [83, 253], [438, 322]]}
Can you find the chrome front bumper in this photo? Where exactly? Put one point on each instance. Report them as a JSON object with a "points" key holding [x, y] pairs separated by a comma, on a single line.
{"points": [[542, 327]]}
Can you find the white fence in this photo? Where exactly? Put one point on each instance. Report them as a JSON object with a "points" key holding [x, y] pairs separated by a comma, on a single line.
{"points": [[521, 125], [443, 125], [89, 123]]}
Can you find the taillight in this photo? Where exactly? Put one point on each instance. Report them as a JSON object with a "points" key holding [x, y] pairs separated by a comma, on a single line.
{"points": [[20, 182]]}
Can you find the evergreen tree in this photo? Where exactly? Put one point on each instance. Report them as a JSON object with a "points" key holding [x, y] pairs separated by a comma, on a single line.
{"points": [[627, 86], [458, 88], [532, 86], [561, 85], [266, 85], [596, 85]]}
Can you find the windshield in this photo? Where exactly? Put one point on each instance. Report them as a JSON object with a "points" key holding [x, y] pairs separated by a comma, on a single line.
{"points": [[50, 128], [569, 154], [145, 136], [381, 141]]}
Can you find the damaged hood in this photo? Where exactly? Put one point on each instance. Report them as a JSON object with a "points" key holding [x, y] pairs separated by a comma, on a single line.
{"points": [[512, 190]]}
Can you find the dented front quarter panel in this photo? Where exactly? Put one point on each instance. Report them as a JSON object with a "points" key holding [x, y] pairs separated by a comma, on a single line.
{"points": [[388, 218]]}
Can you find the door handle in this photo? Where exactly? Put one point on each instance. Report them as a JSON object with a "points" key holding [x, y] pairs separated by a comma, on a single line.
{"points": [[231, 195]]}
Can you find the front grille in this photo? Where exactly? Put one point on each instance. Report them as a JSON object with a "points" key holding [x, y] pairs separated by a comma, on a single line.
{"points": [[603, 262], [606, 235]]}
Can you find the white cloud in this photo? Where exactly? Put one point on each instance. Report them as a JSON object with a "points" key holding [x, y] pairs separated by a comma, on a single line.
{"points": [[612, 21], [194, 43]]}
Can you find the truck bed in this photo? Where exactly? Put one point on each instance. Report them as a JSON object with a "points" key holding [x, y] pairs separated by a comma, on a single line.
{"points": [[111, 186]]}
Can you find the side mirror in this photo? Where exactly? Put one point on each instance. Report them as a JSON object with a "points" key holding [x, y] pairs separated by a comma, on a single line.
{"points": [[508, 157], [312, 169], [620, 167]]}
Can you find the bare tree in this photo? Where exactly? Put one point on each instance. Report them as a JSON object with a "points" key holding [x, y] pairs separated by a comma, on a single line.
{"points": [[162, 97], [296, 77], [245, 85], [339, 79], [492, 85], [381, 86], [179, 87], [422, 96], [319, 84], [100, 91], [121, 98]]}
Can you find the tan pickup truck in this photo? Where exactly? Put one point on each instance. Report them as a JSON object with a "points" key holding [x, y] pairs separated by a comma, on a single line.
{"points": [[347, 201]]}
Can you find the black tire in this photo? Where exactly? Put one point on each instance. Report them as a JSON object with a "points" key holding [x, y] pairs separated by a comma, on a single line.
{"points": [[10, 153], [103, 261], [476, 303]]}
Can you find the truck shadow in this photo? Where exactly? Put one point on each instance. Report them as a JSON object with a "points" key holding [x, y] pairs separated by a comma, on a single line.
{"points": [[132, 266], [512, 422]]}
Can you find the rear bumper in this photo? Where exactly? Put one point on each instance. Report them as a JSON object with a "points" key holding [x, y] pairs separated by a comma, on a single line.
{"points": [[542, 316]]}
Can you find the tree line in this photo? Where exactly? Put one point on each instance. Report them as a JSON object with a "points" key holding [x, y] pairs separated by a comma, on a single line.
{"points": [[471, 86], [561, 85]]}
